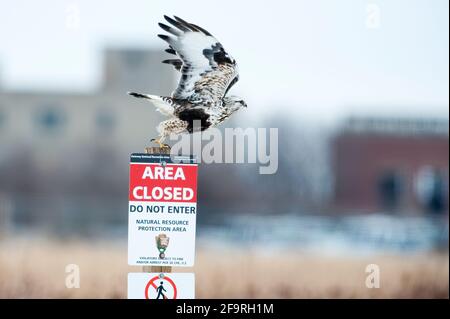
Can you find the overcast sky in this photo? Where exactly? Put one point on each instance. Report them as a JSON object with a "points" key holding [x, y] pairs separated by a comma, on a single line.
{"points": [[321, 58]]}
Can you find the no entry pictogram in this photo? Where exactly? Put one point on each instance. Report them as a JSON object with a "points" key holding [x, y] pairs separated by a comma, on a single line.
{"points": [[151, 283]]}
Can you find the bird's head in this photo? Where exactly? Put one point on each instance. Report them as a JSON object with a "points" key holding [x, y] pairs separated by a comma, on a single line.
{"points": [[234, 103]]}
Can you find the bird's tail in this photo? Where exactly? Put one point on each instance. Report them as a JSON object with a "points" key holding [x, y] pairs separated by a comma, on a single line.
{"points": [[164, 104], [144, 96]]}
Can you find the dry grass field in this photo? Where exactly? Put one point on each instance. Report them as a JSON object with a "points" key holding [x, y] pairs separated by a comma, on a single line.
{"points": [[36, 269]]}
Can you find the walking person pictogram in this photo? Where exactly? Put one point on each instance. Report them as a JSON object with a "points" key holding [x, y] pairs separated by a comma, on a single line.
{"points": [[159, 290], [167, 291]]}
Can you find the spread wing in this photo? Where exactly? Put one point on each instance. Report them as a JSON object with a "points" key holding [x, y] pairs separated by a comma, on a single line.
{"points": [[207, 70]]}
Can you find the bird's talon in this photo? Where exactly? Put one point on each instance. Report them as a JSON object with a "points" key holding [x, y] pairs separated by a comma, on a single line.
{"points": [[161, 145]]}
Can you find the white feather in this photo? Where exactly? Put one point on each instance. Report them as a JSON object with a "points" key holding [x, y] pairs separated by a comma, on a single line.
{"points": [[162, 106]]}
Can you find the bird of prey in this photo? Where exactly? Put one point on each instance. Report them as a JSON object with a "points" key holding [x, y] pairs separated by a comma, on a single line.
{"points": [[200, 100]]}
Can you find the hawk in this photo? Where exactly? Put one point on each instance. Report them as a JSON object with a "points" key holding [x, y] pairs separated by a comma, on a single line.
{"points": [[200, 100]]}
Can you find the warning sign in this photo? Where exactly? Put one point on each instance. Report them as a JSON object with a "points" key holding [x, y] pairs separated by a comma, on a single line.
{"points": [[161, 286], [162, 210]]}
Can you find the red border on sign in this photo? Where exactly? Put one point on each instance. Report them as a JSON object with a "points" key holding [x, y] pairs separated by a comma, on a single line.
{"points": [[136, 180], [151, 283]]}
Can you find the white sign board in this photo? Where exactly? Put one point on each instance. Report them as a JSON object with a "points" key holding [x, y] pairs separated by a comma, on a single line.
{"points": [[161, 286], [162, 210]]}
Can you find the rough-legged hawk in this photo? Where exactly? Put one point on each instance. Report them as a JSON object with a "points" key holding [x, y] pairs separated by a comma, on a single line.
{"points": [[207, 73]]}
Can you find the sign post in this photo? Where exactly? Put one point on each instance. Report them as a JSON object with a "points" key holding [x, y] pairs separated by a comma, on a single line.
{"points": [[160, 269], [162, 214]]}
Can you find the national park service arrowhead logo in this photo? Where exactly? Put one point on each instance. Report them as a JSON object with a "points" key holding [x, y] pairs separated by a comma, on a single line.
{"points": [[162, 241]]}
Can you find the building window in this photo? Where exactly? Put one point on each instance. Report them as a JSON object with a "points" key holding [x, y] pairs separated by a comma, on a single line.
{"points": [[2, 118], [134, 59], [430, 190], [105, 121], [390, 190], [50, 119]]}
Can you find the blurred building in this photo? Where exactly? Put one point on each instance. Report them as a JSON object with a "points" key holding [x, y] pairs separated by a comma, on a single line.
{"points": [[392, 165], [63, 155], [48, 123]]}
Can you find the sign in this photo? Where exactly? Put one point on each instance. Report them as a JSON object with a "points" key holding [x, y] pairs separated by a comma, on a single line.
{"points": [[161, 286], [162, 210]]}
